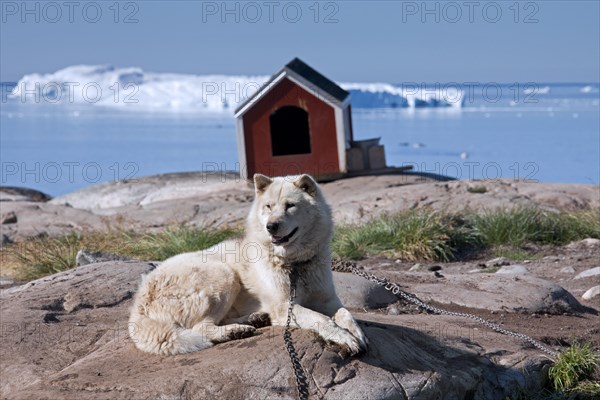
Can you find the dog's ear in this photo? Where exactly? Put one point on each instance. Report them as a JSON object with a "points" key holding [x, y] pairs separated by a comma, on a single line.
{"points": [[261, 183], [307, 184]]}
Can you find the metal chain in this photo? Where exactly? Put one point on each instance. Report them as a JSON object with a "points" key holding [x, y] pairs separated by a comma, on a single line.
{"points": [[340, 265], [395, 289], [301, 381]]}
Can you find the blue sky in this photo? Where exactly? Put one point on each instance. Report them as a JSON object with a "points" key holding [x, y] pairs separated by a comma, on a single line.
{"points": [[360, 41]]}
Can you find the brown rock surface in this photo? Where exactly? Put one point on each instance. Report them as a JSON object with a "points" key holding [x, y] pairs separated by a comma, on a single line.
{"points": [[65, 337], [215, 200]]}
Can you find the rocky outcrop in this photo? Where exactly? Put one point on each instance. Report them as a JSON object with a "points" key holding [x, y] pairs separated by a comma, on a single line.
{"points": [[493, 292], [8, 193], [198, 199], [592, 293], [65, 336], [357, 199], [591, 273], [85, 257], [151, 189]]}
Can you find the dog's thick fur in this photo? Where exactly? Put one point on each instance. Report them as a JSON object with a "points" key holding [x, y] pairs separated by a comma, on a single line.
{"points": [[194, 300]]}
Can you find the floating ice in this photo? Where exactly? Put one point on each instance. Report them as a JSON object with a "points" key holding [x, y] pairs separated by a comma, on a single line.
{"points": [[537, 90], [134, 89], [589, 89]]}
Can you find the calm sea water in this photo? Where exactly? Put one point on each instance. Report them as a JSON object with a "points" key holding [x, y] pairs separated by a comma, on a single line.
{"points": [[58, 149]]}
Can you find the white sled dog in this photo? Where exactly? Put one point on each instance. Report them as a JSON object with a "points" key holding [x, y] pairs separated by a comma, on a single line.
{"points": [[194, 300]]}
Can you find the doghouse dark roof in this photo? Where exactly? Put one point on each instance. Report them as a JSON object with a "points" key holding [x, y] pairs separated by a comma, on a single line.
{"points": [[302, 69], [317, 79]]}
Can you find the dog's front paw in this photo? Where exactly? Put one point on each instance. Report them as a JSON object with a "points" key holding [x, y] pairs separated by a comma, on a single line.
{"points": [[360, 336], [259, 319], [344, 319], [347, 341], [363, 341], [238, 331]]}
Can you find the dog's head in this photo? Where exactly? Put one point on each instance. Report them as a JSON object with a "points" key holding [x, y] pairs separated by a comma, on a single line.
{"points": [[291, 213]]}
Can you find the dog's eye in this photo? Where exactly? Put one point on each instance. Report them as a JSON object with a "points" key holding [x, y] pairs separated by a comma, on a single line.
{"points": [[268, 206], [289, 205]]}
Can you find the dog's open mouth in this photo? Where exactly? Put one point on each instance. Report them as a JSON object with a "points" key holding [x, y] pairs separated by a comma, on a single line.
{"points": [[283, 239]]}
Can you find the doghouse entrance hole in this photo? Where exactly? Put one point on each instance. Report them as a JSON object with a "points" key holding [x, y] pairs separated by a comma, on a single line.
{"points": [[289, 131]]}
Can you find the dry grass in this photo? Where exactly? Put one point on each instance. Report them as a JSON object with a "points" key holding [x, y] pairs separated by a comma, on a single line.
{"points": [[46, 255], [410, 235], [434, 235], [423, 235]]}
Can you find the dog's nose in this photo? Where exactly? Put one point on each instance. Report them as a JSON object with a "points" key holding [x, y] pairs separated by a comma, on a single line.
{"points": [[272, 227]]}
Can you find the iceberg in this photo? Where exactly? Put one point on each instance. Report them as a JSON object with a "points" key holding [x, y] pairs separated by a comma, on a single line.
{"points": [[136, 90], [537, 90], [412, 95], [589, 89]]}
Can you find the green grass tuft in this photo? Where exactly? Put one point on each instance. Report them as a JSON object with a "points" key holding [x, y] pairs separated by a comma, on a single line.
{"points": [[43, 255], [434, 235], [573, 366], [477, 189], [173, 241], [588, 390], [46, 255], [408, 235], [523, 225], [512, 253]]}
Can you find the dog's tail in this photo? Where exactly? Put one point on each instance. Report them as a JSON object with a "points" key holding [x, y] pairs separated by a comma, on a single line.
{"points": [[159, 337]]}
